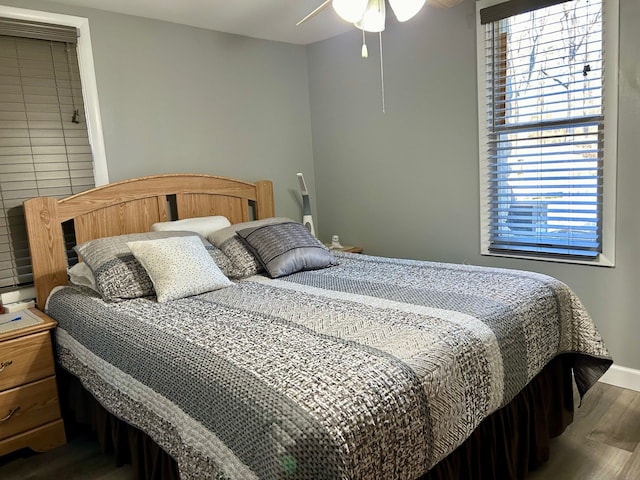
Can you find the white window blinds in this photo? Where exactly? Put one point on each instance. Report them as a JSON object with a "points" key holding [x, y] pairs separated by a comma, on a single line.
{"points": [[544, 138], [44, 146]]}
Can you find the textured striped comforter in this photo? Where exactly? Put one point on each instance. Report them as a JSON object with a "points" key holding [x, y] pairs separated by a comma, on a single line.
{"points": [[375, 368]]}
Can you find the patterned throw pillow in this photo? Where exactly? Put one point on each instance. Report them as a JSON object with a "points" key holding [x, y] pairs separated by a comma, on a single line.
{"points": [[178, 267], [286, 248], [222, 261], [119, 275], [243, 262]]}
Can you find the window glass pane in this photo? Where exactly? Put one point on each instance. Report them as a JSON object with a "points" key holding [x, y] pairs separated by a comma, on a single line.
{"points": [[545, 140]]}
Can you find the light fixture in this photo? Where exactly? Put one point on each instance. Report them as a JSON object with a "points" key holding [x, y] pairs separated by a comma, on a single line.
{"points": [[369, 15], [406, 9], [350, 10], [307, 219], [353, 11], [373, 18]]}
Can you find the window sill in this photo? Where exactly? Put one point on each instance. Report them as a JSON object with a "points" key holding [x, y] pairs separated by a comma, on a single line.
{"points": [[18, 295], [600, 261]]}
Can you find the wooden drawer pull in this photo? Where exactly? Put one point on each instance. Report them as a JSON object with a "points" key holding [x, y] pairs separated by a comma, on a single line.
{"points": [[11, 412], [5, 364]]}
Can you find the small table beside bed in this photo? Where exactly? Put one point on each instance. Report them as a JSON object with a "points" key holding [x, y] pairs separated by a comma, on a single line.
{"points": [[252, 351]]}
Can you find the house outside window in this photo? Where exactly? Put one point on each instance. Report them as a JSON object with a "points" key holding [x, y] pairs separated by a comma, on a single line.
{"points": [[547, 115]]}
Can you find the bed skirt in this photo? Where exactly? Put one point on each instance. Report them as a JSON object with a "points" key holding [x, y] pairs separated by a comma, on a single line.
{"points": [[506, 445]]}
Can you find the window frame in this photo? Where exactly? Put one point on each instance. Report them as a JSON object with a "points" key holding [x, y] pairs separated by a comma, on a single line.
{"points": [[610, 107], [90, 98], [87, 77]]}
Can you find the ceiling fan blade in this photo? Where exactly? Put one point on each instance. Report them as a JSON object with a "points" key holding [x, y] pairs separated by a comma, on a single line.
{"points": [[322, 6]]}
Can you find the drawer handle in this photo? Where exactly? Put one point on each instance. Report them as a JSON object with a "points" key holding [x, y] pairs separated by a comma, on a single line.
{"points": [[11, 412], [5, 364]]}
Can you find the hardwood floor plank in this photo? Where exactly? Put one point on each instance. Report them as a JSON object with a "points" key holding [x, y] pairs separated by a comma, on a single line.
{"points": [[631, 470], [594, 406], [620, 426], [80, 459], [574, 458]]}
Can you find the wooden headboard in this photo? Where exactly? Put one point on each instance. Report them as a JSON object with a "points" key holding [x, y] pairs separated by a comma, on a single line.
{"points": [[132, 206]]}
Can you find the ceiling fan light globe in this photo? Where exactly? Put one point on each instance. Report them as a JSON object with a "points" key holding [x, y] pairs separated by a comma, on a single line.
{"points": [[350, 10], [406, 9], [374, 17]]}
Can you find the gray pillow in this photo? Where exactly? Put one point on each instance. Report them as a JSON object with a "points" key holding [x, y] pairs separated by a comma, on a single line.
{"points": [[118, 274], [286, 248], [243, 262]]}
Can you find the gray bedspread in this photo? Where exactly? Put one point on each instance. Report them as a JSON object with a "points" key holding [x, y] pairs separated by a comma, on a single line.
{"points": [[375, 368]]}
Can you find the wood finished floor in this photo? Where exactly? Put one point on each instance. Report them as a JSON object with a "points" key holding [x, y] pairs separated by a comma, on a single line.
{"points": [[603, 443]]}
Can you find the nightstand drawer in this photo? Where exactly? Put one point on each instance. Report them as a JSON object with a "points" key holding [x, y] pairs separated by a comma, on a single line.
{"points": [[25, 360], [27, 407]]}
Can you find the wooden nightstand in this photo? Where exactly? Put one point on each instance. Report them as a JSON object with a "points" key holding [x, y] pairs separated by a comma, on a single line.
{"points": [[29, 407]]}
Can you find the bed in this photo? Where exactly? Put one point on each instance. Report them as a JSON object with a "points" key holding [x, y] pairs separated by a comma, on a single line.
{"points": [[369, 368]]}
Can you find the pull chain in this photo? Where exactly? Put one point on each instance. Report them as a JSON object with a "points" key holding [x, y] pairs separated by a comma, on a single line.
{"points": [[365, 52], [76, 112], [381, 73]]}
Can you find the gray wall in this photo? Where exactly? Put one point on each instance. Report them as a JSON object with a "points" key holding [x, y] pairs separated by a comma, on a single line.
{"points": [[181, 99], [405, 183]]}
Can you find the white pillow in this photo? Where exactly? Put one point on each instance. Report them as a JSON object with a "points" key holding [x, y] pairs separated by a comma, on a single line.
{"points": [[205, 226], [81, 274], [178, 267]]}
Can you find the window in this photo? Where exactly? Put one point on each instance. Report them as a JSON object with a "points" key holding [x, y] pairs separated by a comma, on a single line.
{"points": [[46, 148], [547, 129]]}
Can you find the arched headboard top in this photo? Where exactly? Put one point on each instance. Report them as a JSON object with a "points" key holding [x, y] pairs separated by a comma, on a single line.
{"points": [[153, 186], [132, 206]]}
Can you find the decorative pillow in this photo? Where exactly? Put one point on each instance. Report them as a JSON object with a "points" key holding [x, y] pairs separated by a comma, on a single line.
{"points": [[286, 248], [205, 226], [178, 267], [118, 274], [81, 274], [222, 261], [243, 262]]}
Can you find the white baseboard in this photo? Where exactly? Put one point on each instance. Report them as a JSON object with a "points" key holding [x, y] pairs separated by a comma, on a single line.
{"points": [[622, 377]]}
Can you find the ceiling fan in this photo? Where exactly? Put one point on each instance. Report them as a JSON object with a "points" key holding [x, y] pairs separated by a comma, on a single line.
{"points": [[369, 15]]}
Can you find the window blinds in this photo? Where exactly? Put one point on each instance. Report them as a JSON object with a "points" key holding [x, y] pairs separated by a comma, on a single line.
{"points": [[545, 128], [43, 151], [43, 31]]}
